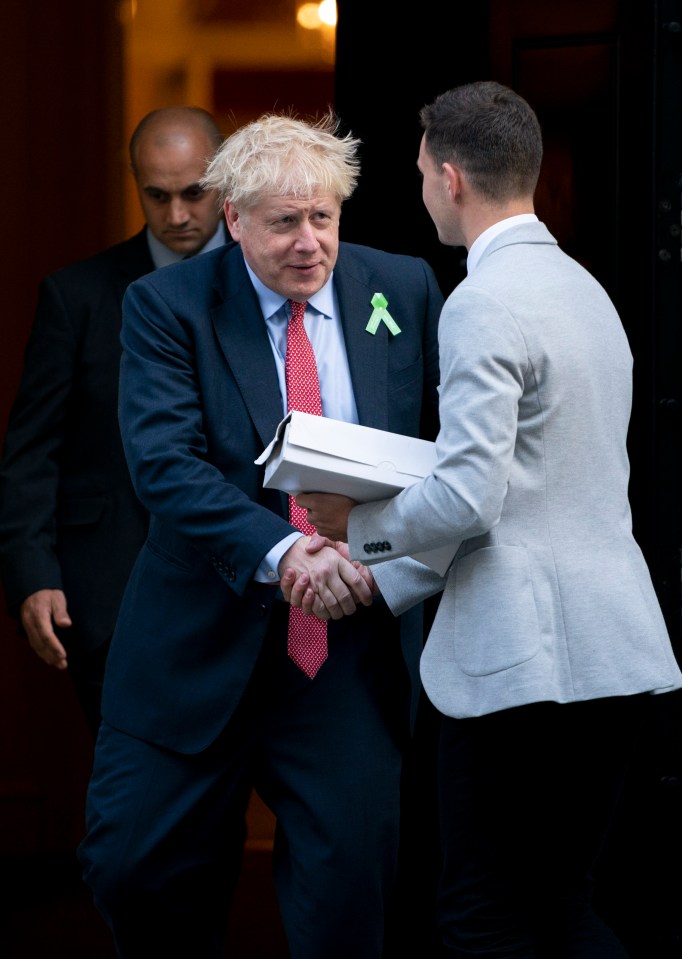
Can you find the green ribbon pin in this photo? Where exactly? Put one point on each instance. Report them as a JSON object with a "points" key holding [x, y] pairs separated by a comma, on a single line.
{"points": [[379, 302]]}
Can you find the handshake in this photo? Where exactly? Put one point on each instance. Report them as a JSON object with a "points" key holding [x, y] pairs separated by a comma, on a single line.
{"points": [[316, 573]]}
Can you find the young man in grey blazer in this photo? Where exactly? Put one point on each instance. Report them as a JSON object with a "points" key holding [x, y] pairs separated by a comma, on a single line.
{"points": [[548, 635]]}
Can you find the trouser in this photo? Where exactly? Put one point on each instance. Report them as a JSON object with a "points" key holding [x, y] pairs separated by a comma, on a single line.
{"points": [[324, 755], [526, 797], [86, 669]]}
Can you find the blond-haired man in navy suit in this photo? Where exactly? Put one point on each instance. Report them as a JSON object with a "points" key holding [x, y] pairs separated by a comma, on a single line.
{"points": [[201, 698], [548, 635]]}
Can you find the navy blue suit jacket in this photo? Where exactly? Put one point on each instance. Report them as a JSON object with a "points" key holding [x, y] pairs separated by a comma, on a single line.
{"points": [[199, 400]]}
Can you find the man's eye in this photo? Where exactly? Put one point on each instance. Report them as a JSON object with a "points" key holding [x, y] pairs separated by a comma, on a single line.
{"points": [[195, 193]]}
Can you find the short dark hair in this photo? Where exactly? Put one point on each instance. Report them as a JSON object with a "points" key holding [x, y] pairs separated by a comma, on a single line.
{"points": [[489, 131]]}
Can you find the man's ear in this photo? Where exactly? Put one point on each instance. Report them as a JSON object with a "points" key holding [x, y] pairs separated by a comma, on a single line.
{"points": [[455, 179], [232, 220]]}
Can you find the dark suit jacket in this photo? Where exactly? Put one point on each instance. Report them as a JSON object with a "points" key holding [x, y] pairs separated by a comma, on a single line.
{"points": [[199, 402], [69, 518]]}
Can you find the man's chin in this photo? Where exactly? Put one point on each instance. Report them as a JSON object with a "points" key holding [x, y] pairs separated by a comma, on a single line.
{"points": [[183, 246], [306, 284]]}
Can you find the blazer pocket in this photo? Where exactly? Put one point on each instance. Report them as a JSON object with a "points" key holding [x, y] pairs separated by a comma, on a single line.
{"points": [[166, 556], [496, 620]]}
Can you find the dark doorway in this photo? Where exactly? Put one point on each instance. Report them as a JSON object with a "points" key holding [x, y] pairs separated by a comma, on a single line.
{"points": [[605, 77]]}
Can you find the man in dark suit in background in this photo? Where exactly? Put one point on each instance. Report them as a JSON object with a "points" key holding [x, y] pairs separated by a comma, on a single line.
{"points": [[70, 523], [202, 698]]}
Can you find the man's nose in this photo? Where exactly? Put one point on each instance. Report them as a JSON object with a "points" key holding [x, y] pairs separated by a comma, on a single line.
{"points": [[306, 238], [178, 212]]}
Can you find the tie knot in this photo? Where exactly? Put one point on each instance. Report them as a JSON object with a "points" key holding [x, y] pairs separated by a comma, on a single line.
{"points": [[297, 309]]}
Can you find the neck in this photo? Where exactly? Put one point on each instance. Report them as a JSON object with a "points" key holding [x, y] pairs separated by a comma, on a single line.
{"points": [[486, 215]]}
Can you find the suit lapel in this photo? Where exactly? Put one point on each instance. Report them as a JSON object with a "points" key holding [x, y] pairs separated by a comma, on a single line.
{"points": [[243, 338], [367, 353]]}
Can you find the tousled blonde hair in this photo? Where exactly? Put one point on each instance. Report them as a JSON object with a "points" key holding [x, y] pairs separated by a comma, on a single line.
{"points": [[281, 155]]}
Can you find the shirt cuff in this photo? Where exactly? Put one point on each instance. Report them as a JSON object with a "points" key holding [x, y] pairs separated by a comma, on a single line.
{"points": [[267, 571]]}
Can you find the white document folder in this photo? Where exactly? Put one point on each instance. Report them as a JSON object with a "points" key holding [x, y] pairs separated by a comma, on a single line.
{"points": [[318, 454]]}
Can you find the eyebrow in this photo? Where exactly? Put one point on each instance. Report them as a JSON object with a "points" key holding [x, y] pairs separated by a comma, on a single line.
{"points": [[150, 188]]}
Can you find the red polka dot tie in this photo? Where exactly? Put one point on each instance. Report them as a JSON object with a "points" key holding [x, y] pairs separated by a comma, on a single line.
{"points": [[307, 644]]}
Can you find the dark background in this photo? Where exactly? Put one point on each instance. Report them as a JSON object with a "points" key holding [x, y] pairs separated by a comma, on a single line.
{"points": [[605, 77]]}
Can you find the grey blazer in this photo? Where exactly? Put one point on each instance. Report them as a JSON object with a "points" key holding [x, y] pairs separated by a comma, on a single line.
{"points": [[549, 596]]}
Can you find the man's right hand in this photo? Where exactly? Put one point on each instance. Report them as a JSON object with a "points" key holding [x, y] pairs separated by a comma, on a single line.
{"points": [[39, 613], [296, 587], [337, 585]]}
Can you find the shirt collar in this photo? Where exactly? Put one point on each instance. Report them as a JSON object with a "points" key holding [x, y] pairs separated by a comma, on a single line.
{"points": [[481, 243], [271, 302], [162, 256]]}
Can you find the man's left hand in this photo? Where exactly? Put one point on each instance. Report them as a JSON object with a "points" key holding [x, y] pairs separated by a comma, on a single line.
{"points": [[328, 513]]}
